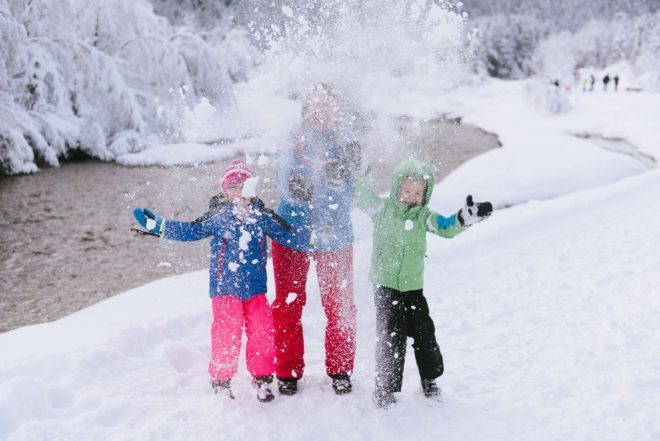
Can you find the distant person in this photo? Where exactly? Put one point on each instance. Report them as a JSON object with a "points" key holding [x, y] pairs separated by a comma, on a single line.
{"points": [[401, 222], [238, 226], [606, 81], [576, 76], [584, 85], [616, 82], [555, 83], [576, 79], [592, 82]]}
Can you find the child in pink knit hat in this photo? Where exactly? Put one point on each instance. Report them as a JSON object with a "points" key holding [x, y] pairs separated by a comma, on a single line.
{"points": [[239, 224], [234, 177]]}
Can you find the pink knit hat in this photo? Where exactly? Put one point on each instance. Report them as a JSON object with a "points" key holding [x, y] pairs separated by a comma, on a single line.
{"points": [[236, 173]]}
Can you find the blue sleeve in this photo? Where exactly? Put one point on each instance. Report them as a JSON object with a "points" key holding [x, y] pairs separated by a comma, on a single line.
{"points": [[447, 227], [191, 231], [446, 222], [276, 227]]}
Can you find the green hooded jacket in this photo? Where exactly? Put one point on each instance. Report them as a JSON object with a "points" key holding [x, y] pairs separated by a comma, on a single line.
{"points": [[399, 246]]}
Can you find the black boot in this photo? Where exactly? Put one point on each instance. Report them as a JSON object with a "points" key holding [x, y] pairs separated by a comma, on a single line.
{"points": [[287, 386], [431, 389], [341, 383], [222, 387], [262, 385]]}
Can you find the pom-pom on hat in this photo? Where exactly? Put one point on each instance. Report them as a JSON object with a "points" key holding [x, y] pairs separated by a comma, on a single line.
{"points": [[236, 173]]}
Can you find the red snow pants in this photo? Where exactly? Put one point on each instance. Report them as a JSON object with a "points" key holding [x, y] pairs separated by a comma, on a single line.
{"points": [[335, 275], [230, 315]]}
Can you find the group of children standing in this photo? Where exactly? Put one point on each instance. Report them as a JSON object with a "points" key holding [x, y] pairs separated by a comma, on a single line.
{"points": [[319, 176]]}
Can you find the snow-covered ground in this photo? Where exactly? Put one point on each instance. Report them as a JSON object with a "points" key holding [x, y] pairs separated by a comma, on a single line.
{"points": [[545, 154], [546, 313]]}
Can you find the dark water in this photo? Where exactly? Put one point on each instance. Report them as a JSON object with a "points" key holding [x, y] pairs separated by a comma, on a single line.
{"points": [[65, 240]]}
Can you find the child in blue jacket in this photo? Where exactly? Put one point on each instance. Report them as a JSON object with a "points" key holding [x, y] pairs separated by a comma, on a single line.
{"points": [[238, 227]]}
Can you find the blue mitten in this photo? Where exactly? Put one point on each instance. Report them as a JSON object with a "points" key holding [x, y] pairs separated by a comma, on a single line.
{"points": [[149, 221]]}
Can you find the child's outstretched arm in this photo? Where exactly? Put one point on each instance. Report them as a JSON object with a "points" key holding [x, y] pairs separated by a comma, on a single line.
{"points": [[177, 230], [446, 227]]}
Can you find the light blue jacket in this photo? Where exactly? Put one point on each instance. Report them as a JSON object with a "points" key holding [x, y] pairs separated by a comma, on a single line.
{"points": [[322, 222]]}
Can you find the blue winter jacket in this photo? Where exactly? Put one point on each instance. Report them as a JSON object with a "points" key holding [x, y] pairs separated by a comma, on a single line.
{"points": [[237, 266], [315, 197]]}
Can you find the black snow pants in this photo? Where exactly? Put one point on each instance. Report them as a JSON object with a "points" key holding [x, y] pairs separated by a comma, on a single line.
{"points": [[400, 315]]}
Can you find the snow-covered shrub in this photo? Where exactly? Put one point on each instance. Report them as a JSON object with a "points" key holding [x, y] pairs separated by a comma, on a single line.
{"points": [[95, 77], [545, 96], [554, 57], [506, 44], [130, 141], [209, 76]]}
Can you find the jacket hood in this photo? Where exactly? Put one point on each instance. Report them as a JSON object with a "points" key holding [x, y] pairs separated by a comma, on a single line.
{"points": [[412, 167]]}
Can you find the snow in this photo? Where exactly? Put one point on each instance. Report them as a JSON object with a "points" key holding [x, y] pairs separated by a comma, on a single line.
{"points": [[540, 310], [545, 313], [250, 187], [244, 240], [544, 154]]}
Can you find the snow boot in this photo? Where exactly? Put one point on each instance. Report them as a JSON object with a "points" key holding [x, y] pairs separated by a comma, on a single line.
{"points": [[222, 387], [383, 399], [431, 389], [341, 383], [287, 386], [262, 385]]}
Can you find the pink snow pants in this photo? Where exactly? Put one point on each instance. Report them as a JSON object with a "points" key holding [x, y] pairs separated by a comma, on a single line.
{"points": [[230, 315], [335, 275]]}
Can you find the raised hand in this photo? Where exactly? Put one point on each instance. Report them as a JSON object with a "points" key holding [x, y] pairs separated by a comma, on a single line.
{"points": [[474, 212]]}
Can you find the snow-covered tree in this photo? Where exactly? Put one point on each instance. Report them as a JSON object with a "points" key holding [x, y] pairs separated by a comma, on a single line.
{"points": [[102, 78], [592, 33], [506, 44]]}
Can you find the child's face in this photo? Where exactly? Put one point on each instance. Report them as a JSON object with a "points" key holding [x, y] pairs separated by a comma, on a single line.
{"points": [[233, 192], [412, 191]]}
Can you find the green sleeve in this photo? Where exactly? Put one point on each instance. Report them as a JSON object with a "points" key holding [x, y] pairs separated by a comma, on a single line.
{"points": [[447, 227], [366, 198]]}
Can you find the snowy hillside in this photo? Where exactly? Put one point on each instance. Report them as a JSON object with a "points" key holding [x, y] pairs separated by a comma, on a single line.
{"points": [[545, 313]]}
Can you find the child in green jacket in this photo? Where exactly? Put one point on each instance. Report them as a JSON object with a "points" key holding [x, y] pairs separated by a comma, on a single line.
{"points": [[401, 222]]}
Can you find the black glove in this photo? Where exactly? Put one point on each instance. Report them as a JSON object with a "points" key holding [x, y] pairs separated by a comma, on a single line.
{"points": [[474, 212], [337, 174], [300, 188]]}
